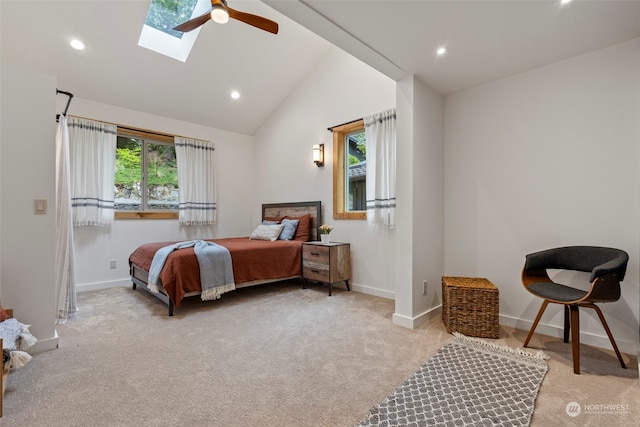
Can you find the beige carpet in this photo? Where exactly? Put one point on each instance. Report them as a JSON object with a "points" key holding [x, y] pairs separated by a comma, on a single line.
{"points": [[275, 355]]}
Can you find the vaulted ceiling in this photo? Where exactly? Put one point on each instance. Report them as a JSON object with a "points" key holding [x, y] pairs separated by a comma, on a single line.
{"points": [[486, 40]]}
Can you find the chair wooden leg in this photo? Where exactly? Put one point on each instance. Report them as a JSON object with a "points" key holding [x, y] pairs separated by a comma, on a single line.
{"points": [[575, 337], [567, 324], [535, 322], [606, 328]]}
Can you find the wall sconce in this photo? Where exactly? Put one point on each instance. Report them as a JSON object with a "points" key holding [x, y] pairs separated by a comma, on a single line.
{"points": [[318, 155]]}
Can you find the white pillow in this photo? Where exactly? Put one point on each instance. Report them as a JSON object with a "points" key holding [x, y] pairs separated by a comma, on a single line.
{"points": [[267, 232]]}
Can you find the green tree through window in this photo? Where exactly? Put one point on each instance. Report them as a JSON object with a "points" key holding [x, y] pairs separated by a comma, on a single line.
{"points": [[146, 177], [163, 15]]}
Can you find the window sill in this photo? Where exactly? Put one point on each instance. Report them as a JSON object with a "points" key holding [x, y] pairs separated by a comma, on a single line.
{"points": [[350, 215], [146, 215]]}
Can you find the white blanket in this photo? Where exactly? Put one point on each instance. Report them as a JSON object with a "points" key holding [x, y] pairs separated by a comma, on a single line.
{"points": [[16, 335]]}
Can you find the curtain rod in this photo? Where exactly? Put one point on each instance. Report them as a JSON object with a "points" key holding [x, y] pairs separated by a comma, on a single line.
{"points": [[347, 123], [70, 95], [131, 128]]}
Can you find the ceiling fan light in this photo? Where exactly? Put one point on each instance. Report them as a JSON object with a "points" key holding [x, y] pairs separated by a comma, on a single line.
{"points": [[220, 14]]}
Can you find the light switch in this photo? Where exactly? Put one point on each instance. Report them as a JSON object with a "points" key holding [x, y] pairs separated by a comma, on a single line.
{"points": [[39, 206]]}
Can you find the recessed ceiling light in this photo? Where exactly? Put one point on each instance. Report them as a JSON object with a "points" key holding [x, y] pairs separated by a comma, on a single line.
{"points": [[77, 44], [565, 1], [441, 50], [235, 94]]}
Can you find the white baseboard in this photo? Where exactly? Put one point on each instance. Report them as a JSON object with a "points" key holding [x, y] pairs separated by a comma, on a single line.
{"points": [[417, 321], [102, 285], [44, 345], [398, 319], [372, 291], [601, 341]]}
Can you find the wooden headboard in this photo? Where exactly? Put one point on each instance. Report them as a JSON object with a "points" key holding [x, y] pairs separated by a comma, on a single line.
{"points": [[296, 209]]}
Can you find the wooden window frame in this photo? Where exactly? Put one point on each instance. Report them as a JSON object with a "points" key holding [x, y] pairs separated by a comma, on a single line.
{"points": [[145, 215], [152, 136], [339, 170]]}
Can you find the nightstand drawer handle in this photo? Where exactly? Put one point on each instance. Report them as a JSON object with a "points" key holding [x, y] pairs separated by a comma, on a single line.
{"points": [[315, 271], [315, 254]]}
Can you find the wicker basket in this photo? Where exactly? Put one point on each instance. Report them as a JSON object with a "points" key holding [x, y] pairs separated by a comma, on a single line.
{"points": [[471, 306]]}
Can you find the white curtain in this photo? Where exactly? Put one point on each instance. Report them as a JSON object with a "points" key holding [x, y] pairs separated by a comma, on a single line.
{"points": [[65, 290], [196, 180], [93, 159], [380, 134]]}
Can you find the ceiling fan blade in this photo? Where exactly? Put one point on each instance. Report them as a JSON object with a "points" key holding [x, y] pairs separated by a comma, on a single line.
{"points": [[194, 23], [254, 20]]}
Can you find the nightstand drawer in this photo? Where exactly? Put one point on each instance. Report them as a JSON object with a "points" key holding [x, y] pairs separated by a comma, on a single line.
{"points": [[315, 254], [315, 271]]}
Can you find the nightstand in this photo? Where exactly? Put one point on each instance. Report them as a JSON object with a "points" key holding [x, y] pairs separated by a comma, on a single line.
{"points": [[326, 262]]}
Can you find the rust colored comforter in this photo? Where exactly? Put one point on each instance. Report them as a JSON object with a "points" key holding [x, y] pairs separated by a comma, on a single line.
{"points": [[252, 260]]}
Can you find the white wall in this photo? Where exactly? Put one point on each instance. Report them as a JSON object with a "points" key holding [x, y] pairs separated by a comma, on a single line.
{"points": [[340, 89], [237, 213], [420, 201], [547, 158], [27, 173]]}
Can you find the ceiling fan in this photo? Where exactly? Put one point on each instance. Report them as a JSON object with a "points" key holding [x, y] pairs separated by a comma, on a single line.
{"points": [[221, 13]]}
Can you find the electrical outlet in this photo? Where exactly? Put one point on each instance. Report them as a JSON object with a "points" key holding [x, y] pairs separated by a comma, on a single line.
{"points": [[112, 264], [424, 287]]}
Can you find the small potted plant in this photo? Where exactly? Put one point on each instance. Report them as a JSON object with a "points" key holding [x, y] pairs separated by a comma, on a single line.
{"points": [[324, 233]]}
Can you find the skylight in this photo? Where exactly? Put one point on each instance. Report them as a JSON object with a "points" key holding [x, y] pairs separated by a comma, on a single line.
{"points": [[158, 34]]}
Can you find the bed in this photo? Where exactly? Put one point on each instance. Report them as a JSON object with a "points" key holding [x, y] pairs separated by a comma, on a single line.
{"points": [[254, 262]]}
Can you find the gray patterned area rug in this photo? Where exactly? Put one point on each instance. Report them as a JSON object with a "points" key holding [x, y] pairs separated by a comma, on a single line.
{"points": [[468, 382]]}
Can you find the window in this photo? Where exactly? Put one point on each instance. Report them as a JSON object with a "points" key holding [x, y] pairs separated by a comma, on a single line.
{"points": [[158, 34], [163, 15], [146, 176], [349, 171]]}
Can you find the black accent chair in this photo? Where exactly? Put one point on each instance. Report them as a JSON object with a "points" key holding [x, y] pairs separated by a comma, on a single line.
{"points": [[607, 267]]}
